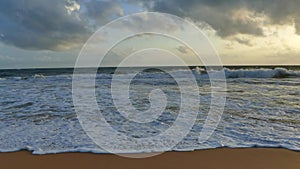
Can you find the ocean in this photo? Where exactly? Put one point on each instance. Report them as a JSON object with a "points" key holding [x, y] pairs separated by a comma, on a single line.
{"points": [[37, 112]]}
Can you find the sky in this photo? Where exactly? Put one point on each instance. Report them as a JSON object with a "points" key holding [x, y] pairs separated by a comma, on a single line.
{"points": [[43, 33]]}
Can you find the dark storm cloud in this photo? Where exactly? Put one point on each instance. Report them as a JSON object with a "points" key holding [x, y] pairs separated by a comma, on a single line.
{"points": [[225, 18], [102, 9], [39, 24], [52, 25], [65, 24]]}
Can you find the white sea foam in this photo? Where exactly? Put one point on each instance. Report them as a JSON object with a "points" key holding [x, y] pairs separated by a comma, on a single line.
{"points": [[249, 73], [261, 73], [39, 117], [40, 76]]}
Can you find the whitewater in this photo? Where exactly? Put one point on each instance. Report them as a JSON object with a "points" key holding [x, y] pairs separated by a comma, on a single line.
{"points": [[37, 112]]}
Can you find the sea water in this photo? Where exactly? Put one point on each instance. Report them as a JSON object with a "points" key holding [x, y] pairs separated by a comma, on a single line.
{"points": [[37, 111]]}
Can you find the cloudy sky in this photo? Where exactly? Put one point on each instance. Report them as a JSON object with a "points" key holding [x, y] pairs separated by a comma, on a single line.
{"points": [[43, 33]]}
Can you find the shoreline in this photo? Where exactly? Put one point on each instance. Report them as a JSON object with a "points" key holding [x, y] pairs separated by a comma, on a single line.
{"points": [[220, 158]]}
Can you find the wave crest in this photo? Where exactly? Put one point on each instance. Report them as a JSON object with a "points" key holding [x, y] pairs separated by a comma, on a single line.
{"points": [[261, 73]]}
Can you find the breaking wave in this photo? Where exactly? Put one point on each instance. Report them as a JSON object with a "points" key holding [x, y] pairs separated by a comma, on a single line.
{"points": [[199, 72], [261, 73], [254, 73]]}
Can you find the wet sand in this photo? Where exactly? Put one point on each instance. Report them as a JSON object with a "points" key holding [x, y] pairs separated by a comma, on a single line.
{"points": [[250, 158]]}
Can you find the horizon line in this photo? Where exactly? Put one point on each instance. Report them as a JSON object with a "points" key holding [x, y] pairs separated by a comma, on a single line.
{"points": [[229, 65]]}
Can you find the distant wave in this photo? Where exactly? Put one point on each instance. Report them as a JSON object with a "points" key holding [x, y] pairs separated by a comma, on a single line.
{"points": [[199, 72], [41, 76], [261, 73], [253, 73]]}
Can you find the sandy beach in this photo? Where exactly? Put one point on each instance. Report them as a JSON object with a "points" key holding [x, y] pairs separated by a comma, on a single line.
{"points": [[252, 158]]}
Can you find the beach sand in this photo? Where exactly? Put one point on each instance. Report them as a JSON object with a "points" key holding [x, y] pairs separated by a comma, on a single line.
{"points": [[250, 158]]}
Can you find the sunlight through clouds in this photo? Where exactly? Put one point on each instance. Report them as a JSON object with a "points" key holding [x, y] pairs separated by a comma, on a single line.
{"points": [[243, 31]]}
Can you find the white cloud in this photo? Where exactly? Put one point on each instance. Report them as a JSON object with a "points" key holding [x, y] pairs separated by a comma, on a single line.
{"points": [[72, 6]]}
